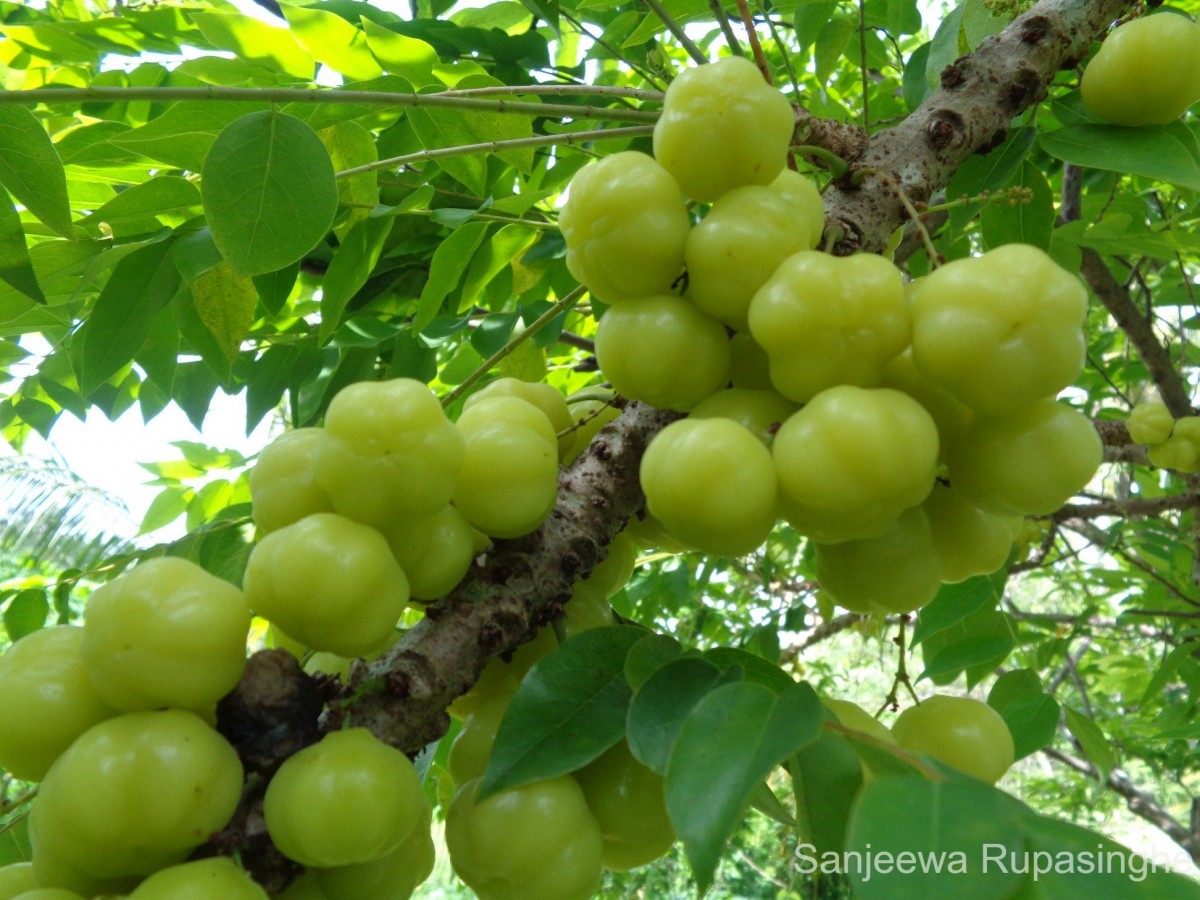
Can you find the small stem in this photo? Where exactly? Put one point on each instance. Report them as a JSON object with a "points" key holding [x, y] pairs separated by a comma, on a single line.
{"points": [[514, 342], [901, 671], [557, 90], [17, 802], [309, 95], [862, 61], [836, 166], [540, 140], [677, 30], [755, 46], [718, 12]]}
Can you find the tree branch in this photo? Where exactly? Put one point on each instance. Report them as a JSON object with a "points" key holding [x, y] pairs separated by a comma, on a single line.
{"points": [[1115, 298], [1139, 802], [522, 584], [971, 112]]}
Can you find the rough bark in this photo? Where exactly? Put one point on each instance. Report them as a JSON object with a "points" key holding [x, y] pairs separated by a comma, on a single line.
{"points": [[970, 112], [518, 587]]}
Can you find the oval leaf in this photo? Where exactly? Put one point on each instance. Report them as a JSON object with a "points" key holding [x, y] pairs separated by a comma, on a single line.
{"points": [[269, 192], [727, 746], [661, 705], [569, 709], [31, 169], [934, 834]]}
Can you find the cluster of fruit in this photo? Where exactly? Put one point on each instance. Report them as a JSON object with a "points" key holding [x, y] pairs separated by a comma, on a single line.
{"points": [[1170, 443], [114, 719], [391, 501], [551, 838], [905, 429], [961, 732], [1147, 71]]}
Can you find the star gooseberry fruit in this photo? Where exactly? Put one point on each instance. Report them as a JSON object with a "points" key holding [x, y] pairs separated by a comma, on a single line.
{"points": [[1147, 72]]}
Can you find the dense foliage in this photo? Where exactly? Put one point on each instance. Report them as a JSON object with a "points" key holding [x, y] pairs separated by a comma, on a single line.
{"points": [[283, 201]]}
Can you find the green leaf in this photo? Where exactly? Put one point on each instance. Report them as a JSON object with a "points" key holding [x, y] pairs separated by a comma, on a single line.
{"points": [[333, 41], [26, 613], [1160, 152], [569, 709], [1065, 860], [170, 503], [810, 18], [408, 57], [942, 828], [947, 45], [268, 191], [254, 41], [1096, 747], [826, 777], [136, 209], [1033, 721], [955, 602], [754, 668], [140, 285], [15, 266], [350, 146], [915, 86], [350, 268], [440, 128], [728, 744], [225, 303], [831, 44], [497, 254], [1013, 686], [764, 800], [445, 269], [274, 288], [649, 655], [1029, 222], [660, 706], [31, 170], [1167, 668], [183, 135], [975, 645], [14, 841]]}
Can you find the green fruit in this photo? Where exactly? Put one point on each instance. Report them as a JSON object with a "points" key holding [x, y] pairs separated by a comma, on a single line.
{"points": [[826, 321], [612, 573], [1147, 71], [349, 798], [509, 479], [627, 799], [712, 485], [541, 395], [961, 732], [435, 552], [1001, 330], [969, 541], [761, 412], [856, 718], [394, 877], [166, 633], [16, 878], [722, 127], [744, 237], [1150, 423], [283, 482], [328, 582], [473, 744], [852, 459], [48, 701], [534, 842], [1027, 463], [663, 351], [896, 572], [216, 878], [625, 225], [378, 436], [133, 794]]}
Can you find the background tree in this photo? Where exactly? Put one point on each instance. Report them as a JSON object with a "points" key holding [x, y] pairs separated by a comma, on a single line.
{"points": [[346, 193]]}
